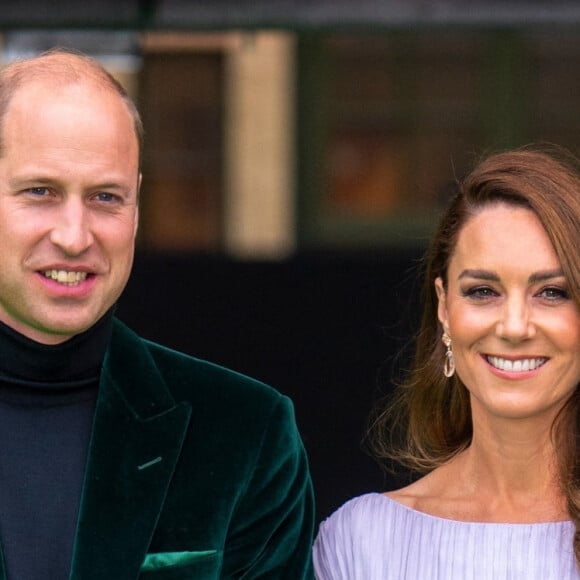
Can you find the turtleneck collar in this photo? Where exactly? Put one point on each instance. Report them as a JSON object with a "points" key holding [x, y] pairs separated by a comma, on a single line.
{"points": [[74, 362]]}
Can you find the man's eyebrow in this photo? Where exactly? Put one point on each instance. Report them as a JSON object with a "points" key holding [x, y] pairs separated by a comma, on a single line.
{"points": [[110, 185], [44, 180], [29, 181]]}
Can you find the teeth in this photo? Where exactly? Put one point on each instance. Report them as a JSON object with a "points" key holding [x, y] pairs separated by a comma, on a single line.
{"points": [[516, 366], [64, 277]]}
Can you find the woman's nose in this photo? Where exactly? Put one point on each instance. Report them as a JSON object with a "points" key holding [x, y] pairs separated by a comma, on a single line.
{"points": [[515, 323]]}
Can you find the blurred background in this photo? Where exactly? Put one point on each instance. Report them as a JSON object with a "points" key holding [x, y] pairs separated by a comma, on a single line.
{"points": [[298, 153]]}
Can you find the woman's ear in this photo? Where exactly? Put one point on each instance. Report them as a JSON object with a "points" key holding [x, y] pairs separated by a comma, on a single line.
{"points": [[442, 305]]}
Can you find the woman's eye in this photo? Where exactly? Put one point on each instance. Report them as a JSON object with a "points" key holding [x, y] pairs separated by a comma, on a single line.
{"points": [[479, 292], [554, 293]]}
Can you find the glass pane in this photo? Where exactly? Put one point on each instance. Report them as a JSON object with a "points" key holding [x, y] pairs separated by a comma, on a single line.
{"points": [[405, 105], [554, 88], [181, 101]]}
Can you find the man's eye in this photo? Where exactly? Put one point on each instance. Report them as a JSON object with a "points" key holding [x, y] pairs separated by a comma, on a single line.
{"points": [[106, 197], [40, 191]]}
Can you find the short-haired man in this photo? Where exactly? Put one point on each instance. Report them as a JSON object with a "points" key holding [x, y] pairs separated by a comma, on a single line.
{"points": [[121, 459]]}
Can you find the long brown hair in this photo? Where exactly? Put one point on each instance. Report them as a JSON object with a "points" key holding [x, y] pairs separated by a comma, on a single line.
{"points": [[429, 418]]}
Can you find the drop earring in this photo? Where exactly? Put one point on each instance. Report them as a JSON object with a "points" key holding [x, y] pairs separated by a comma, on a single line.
{"points": [[449, 364]]}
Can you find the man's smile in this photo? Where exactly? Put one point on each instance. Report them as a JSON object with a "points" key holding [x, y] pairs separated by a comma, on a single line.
{"points": [[68, 278]]}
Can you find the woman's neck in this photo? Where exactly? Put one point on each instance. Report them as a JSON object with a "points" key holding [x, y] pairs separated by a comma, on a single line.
{"points": [[507, 475]]}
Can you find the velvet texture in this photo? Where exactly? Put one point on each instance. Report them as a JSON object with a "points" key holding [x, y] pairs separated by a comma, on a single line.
{"points": [[194, 472]]}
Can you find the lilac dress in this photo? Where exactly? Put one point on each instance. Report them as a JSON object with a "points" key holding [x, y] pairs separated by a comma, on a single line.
{"points": [[372, 537]]}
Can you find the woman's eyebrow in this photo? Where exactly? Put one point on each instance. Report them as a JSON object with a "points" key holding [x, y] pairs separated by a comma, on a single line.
{"points": [[546, 275], [490, 276], [479, 274]]}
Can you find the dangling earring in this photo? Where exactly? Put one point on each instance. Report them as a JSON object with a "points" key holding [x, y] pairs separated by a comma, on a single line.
{"points": [[449, 364]]}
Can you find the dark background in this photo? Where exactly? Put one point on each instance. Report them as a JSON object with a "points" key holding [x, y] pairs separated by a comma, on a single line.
{"points": [[323, 328], [294, 14]]}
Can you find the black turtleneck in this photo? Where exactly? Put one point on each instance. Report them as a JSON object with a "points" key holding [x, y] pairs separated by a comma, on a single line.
{"points": [[47, 401]]}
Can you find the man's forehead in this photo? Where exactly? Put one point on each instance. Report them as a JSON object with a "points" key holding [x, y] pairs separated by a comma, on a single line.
{"points": [[43, 118], [49, 89], [65, 77], [40, 96]]}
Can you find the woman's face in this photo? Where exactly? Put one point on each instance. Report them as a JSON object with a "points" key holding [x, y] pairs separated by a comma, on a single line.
{"points": [[514, 327]]}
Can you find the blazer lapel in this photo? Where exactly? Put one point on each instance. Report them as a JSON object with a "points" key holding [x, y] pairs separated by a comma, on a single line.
{"points": [[138, 431]]}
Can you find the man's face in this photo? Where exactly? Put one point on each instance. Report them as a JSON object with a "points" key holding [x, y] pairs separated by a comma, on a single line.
{"points": [[69, 181]]}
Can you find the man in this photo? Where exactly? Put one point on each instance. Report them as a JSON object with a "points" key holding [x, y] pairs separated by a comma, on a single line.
{"points": [[120, 458]]}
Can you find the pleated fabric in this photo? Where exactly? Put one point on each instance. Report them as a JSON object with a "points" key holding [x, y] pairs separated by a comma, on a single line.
{"points": [[372, 537]]}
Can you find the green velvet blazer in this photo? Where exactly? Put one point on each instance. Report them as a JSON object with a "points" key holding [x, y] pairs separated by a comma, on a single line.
{"points": [[193, 472]]}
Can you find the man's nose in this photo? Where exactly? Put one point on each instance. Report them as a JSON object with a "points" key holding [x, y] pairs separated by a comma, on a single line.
{"points": [[71, 231], [515, 323]]}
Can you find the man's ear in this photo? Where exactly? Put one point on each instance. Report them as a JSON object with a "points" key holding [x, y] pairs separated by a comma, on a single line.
{"points": [[136, 225], [442, 304]]}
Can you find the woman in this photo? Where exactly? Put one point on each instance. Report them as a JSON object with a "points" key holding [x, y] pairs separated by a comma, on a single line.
{"points": [[490, 410]]}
